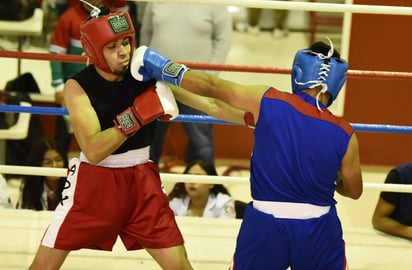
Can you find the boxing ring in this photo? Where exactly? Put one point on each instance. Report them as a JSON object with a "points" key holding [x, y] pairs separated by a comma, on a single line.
{"points": [[210, 242]]}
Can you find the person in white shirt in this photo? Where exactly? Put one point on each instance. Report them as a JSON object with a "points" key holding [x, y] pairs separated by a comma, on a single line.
{"points": [[205, 35], [202, 200]]}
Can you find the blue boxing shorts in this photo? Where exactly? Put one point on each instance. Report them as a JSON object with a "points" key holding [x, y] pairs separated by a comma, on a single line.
{"points": [[267, 242]]}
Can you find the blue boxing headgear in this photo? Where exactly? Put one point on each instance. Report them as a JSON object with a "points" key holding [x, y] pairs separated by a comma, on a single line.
{"points": [[319, 65]]}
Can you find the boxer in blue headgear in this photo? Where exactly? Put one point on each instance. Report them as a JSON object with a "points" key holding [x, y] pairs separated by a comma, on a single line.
{"points": [[302, 155], [319, 65]]}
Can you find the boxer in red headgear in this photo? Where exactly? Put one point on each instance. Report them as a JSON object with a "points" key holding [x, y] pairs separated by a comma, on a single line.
{"points": [[98, 32], [113, 189]]}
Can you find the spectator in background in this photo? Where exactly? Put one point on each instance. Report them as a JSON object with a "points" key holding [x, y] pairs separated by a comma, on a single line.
{"points": [[118, 5], [393, 214], [61, 6], [202, 200], [43, 192], [204, 35], [279, 17], [5, 201], [139, 11]]}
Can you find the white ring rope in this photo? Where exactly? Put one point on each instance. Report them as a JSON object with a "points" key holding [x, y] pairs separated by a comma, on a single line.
{"points": [[191, 178], [307, 6]]}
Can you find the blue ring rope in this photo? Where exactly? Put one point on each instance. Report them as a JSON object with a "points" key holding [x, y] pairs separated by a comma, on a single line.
{"points": [[201, 119]]}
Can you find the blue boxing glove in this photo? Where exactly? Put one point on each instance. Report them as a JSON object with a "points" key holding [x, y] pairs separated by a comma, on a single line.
{"points": [[148, 63]]}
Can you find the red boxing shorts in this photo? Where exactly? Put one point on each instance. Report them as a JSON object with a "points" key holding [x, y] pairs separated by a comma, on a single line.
{"points": [[100, 203]]}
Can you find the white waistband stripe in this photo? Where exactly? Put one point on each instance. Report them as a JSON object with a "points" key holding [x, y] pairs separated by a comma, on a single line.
{"points": [[128, 159], [291, 210]]}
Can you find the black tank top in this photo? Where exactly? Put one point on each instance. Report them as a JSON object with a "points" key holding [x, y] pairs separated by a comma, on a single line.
{"points": [[111, 98]]}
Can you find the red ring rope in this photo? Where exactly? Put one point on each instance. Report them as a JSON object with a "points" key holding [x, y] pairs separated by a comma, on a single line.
{"points": [[208, 66]]}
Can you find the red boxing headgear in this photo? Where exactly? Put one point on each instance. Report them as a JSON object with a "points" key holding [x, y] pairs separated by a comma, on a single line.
{"points": [[98, 32]]}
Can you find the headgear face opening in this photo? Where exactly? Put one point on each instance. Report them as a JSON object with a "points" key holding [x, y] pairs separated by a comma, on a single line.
{"points": [[319, 65], [98, 32]]}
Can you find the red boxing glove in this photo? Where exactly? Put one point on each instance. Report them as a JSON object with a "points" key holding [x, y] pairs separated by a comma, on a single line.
{"points": [[147, 106], [156, 101]]}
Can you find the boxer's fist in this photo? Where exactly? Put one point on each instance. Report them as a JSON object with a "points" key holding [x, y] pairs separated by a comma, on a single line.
{"points": [[148, 63], [157, 101]]}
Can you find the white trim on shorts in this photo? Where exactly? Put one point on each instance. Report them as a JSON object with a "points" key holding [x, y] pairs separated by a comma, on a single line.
{"points": [[62, 210], [291, 210], [128, 159]]}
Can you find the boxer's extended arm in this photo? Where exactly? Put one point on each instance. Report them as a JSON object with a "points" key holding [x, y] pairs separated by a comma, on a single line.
{"points": [[148, 63], [211, 106]]}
